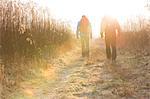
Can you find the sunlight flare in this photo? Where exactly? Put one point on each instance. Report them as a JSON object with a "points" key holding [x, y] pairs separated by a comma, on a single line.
{"points": [[72, 10]]}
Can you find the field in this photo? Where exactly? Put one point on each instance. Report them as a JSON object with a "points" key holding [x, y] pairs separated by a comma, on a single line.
{"points": [[40, 58]]}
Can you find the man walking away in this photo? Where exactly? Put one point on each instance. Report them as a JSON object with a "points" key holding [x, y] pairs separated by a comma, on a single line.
{"points": [[84, 31], [110, 27]]}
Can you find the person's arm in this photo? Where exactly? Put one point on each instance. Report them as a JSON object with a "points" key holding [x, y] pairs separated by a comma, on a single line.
{"points": [[102, 29], [90, 27], [78, 30], [102, 34], [118, 28]]}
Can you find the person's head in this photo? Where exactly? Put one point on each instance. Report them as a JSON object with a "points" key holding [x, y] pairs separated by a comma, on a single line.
{"points": [[83, 16], [84, 19]]}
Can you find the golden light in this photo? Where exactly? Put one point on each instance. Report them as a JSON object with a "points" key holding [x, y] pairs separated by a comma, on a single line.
{"points": [[72, 10]]}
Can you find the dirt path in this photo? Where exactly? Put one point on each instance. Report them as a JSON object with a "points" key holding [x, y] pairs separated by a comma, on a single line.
{"points": [[96, 78]]}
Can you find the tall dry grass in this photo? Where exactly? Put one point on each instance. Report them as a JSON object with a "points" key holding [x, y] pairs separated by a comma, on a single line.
{"points": [[136, 34], [27, 32]]}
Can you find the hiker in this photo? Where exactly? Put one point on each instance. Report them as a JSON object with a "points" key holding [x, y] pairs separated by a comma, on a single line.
{"points": [[84, 31], [110, 28]]}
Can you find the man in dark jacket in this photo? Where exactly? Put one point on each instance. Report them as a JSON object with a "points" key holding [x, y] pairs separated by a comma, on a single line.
{"points": [[84, 31], [110, 27]]}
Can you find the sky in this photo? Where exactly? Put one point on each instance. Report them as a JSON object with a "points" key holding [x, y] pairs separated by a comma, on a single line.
{"points": [[72, 10]]}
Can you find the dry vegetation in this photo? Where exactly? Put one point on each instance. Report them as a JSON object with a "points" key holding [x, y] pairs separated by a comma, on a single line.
{"points": [[136, 34], [29, 35], [27, 32]]}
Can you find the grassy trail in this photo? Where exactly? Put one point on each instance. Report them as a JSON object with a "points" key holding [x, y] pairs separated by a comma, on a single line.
{"points": [[74, 77]]}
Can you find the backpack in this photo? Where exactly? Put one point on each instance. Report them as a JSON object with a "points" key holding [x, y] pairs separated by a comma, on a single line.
{"points": [[84, 24]]}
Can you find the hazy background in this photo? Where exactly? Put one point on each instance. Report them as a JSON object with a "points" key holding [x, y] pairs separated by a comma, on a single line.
{"points": [[72, 10]]}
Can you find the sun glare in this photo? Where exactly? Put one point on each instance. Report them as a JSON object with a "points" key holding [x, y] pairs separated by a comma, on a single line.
{"points": [[72, 10]]}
